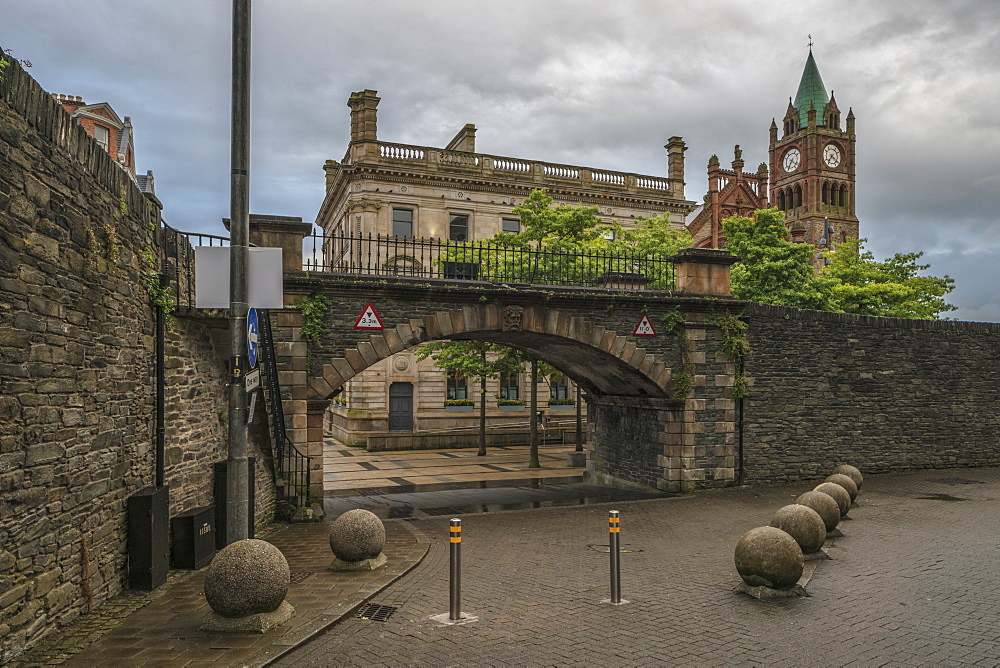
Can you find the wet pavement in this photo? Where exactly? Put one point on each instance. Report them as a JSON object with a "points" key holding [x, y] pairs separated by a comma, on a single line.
{"points": [[539, 494], [348, 471], [913, 582]]}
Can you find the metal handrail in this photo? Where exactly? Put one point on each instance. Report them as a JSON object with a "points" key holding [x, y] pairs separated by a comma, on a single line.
{"points": [[290, 463]]}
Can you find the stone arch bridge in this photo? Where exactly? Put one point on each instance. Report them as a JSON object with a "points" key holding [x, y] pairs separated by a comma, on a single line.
{"points": [[644, 430]]}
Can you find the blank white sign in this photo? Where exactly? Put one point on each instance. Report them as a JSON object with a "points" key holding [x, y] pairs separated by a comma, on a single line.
{"points": [[211, 285]]}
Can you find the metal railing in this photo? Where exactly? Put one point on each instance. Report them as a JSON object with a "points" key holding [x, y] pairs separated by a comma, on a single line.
{"points": [[291, 465], [492, 260], [178, 260]]}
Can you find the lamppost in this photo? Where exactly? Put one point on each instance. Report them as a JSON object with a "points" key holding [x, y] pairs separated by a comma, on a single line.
{"points": [[237, 474]]}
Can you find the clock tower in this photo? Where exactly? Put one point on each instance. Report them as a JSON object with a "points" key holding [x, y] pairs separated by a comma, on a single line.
{"points": [[812, 165]]}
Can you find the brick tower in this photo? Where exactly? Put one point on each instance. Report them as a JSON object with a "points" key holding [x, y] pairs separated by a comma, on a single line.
{"points": [[813, 165]]}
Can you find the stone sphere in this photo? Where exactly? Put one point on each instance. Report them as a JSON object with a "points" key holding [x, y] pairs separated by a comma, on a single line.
{"points": [[803, 524], [852, 473], [357, 535], [824, 505], [768, 557], [845, 482], [245, 578], [839, 495]]}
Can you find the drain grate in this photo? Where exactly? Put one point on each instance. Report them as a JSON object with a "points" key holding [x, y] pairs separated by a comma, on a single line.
{"points": [[296, 578], [376, 612]]}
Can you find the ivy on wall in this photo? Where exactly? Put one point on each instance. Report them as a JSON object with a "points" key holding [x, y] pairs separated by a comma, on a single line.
{"points": [[159, 295], [735, 346], [314, 309], [673, 324]]}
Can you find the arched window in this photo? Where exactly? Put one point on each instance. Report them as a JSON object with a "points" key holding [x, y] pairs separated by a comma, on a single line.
{"points": [[843, 195], [781, 200], [826, 193], [798, 196]]}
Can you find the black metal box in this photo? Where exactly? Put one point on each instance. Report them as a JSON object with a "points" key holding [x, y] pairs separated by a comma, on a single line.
{"points": [[463, 271], [148, 555], [193, 537], [220, 500]]}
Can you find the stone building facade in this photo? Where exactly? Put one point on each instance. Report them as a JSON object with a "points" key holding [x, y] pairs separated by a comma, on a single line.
{"points": [[454, 192]]}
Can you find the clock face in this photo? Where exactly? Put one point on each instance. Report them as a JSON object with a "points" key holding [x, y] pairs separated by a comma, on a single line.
{"points": [[791, 160], [831, 155]]}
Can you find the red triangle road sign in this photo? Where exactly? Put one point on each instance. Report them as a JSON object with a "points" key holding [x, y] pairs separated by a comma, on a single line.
{"points": [[644, 328], [368, 319]]}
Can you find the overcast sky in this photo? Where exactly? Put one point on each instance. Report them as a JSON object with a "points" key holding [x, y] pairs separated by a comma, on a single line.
{"points": [[584, 82]]}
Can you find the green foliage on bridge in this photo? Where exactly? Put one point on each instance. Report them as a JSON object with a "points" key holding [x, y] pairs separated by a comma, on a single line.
{"points": [[567, 245]]}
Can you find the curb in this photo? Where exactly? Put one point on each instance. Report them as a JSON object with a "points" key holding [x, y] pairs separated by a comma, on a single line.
{"points": [[343, 608]]}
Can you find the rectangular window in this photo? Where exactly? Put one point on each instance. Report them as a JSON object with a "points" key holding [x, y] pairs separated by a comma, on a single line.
{"points": [[510, 225], [509, 388], [457, 387], [101, 135], [558, 389], [402, 223], [458, 229]]}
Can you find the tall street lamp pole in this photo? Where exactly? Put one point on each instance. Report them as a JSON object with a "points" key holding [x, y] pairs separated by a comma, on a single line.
{"points": [[237, 478]]}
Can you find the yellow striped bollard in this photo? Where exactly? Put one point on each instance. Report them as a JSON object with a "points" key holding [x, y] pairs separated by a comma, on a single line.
{"points": [[616, 571], [455, 536]]}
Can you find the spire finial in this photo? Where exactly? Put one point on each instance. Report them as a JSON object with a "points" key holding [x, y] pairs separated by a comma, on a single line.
{"points": [[810, 43]]}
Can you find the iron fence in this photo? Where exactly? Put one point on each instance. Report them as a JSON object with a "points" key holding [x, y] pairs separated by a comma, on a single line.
{"points": [[492, 260]]}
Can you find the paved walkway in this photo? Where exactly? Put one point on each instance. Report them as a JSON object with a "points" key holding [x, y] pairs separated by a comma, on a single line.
{"points": [[913, 582], [349, 471], [165, 631]]}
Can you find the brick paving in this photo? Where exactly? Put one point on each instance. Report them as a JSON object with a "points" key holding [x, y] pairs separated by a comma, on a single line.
{"points": [[161, 628], [913, 582], [348, 471]]}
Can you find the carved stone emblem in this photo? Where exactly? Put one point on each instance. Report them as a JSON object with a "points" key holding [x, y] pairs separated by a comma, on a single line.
{"points": [[400, 363], [512, 318]]}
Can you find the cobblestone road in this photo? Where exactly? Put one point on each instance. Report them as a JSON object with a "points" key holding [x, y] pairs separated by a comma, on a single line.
{"points": [[915, 581]]}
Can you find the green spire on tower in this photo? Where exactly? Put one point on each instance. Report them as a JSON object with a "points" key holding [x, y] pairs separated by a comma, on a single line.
{"points": [[811, 91]]}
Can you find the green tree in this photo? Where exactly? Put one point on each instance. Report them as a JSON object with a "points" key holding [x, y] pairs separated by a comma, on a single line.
{"points": [[478, 360], [891, 288], [572, 245], [773, 270]]}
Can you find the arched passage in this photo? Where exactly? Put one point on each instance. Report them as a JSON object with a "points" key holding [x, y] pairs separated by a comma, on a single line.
{"points": [[641, 433], [603, 362]]}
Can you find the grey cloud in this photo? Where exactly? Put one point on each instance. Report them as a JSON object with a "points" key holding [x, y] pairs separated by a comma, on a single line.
{"points": [[575, 81]]}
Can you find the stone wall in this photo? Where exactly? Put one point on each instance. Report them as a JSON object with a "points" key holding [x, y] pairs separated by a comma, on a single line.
{"points": [[883, 394], [196, 416], [77, 370]]}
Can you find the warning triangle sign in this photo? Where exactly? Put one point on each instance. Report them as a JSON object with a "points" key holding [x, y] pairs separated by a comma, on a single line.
{"points": [[368, 319], [644, 328]]}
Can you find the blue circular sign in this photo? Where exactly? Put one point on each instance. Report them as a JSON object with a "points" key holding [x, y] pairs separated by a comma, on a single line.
{"points": [[253, 337]]}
